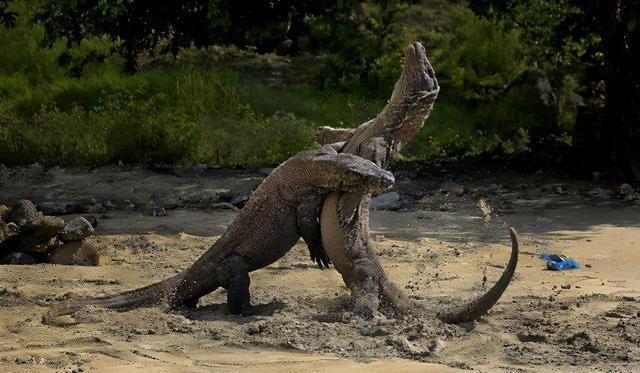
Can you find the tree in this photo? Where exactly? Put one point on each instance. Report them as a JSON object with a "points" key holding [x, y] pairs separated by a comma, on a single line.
{"points": [[617, 25], [143, 25], [7, 17], [140, 25], [620, 31]]}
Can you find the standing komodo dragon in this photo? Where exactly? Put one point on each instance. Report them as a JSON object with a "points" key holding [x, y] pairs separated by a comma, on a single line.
{"points": [[345, 215], [283, 208]]}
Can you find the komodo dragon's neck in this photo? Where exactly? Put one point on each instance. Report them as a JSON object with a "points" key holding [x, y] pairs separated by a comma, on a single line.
{"points": [[404, 115]]}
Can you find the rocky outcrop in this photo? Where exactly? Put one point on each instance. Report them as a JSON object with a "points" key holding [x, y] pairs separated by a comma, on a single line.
{"points": [[27, 237]]}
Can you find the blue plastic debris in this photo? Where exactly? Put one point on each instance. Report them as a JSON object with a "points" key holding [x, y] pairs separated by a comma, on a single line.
{"points": [[553, 257], [557, 262]]}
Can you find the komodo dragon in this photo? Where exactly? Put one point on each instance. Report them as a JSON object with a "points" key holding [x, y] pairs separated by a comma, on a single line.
{"points": [[345, 215], [267, 228]]}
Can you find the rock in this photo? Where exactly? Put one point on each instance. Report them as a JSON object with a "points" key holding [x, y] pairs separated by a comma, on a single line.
{"points": [[626, 189], [407, 201], [36, 169], [62, 208], [52, 208], [12, 229], [452, 188], [92, 220], [565, 286], [39, 234], [627, 192], [75, 208], [240, 200], [97, 208], [76, 230], [16, 258], [4, 230], [83, 253], [200, 167], [23, 211], [4, 212], [386, 201], [160, 211]]}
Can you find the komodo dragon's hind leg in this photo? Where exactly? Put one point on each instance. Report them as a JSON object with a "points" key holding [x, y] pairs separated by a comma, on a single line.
{"points": [[236, 280]]}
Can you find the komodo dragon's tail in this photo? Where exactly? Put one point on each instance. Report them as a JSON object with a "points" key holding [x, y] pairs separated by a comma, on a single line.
{"points": [[183, 288], [475, 309], [154, 294], [480, 306]]}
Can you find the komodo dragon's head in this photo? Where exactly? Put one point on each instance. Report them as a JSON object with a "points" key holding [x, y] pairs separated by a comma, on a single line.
{"points": [[326, 168], [414, 94]]}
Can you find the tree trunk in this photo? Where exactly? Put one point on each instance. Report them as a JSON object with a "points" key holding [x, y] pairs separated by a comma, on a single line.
{"points": [[620, 31]]}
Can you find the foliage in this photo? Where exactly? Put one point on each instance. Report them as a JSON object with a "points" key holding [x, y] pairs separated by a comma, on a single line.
{"points": [[87, 82]]}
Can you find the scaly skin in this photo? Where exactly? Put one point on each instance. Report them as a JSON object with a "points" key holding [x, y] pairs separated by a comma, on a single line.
{"points": [[266, 229], [344, 218]]}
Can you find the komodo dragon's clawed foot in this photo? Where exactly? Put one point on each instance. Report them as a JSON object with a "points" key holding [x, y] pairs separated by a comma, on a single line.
{"points": [[365, 305]]}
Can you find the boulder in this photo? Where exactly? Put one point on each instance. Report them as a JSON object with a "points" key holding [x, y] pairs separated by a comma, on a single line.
{"points": [[38, 235], [386, 201], [4, 212], [23, 211], [52, 208], [82, 253], [76, 230], [4, 230], [12, 229], [92, 219], [627, 192]]}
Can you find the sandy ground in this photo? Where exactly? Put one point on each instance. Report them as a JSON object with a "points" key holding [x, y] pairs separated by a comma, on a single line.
{"points": [[438, 251]]}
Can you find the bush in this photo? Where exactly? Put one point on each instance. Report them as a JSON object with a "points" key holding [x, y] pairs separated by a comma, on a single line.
{"points": [[147, 131], [70, 103], [253, 139]]}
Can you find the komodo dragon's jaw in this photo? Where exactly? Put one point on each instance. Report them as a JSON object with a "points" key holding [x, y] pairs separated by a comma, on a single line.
{"points": [[479, 307], [417, 78], [413, 96]]}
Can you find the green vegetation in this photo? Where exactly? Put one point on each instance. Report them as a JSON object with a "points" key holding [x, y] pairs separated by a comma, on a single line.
{"points": [[77, 90]]}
